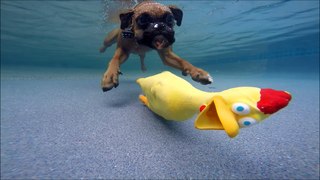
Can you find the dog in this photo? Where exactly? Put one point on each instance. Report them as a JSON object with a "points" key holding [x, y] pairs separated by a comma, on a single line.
{"points": [[147, 26]]}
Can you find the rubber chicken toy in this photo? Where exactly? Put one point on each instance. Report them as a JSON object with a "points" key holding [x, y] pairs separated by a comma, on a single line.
{"points": [[173, 98]]}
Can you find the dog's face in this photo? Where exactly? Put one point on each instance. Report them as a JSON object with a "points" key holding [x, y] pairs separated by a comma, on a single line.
{"points": [[152, 23]]}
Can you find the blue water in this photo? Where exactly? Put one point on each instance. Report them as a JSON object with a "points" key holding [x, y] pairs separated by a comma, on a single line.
{"points": [[57, 123], [69, 33]]}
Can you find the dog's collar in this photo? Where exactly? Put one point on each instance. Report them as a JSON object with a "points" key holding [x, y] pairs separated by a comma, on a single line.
{"points": [[127, 33]]}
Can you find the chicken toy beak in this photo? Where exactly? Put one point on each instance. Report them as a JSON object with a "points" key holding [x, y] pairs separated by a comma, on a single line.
{"points": [[218, 116]]}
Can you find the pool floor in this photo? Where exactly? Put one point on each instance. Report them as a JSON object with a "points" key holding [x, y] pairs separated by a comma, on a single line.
{"points": [[61, 125]]}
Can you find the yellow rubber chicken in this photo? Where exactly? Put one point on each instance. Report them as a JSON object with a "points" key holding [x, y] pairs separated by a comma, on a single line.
{"points": [[173, 98]]}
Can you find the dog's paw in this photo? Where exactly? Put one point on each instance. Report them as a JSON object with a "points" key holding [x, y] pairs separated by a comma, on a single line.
{"points": [[205, 79], [199, 75], [102, 49], [110, 80]]}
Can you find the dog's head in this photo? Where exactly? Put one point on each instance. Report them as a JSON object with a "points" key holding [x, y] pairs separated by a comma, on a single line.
{"points": [[152, 23]]}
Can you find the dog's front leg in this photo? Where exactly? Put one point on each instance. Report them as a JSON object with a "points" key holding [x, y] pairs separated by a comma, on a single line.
{"points": [[110, 39], [110, 77], [171, 59]]}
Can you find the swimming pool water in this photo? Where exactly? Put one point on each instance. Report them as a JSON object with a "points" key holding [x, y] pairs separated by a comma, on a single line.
{"points": [[69, 33], [57, 123]]}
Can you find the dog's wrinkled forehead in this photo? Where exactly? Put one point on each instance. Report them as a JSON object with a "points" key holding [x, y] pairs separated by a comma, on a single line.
{"points": [[152, 8]]}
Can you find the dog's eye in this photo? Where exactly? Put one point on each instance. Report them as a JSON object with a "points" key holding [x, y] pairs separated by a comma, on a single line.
{"points": [[144, 20]]}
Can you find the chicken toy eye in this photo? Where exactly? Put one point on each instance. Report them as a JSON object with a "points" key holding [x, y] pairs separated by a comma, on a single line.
{"points": [[240, 108], [246, 122]]}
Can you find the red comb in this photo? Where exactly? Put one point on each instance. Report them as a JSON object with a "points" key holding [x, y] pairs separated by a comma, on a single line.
{"points": [[272, 100]]}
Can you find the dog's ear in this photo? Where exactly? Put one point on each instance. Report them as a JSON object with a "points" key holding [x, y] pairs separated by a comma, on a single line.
{"points": [[126, 18], [177, 13]]}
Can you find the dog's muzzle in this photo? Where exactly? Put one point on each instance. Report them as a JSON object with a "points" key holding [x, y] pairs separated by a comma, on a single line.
{"points": [[157, 33]]}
